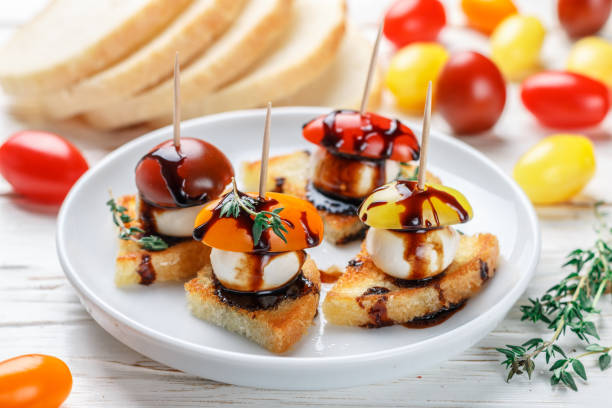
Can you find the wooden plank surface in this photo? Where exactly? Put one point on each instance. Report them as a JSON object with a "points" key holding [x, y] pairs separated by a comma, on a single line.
{"points": [[40, 312]]}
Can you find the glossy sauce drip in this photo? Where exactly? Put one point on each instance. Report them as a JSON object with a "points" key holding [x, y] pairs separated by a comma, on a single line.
{"points": [[414, 244], [355, 263], [149, 226], [312, 239], [377, 312], [484, 270], [413, 201], [260, 261], [170, 159], [434, 319], [295, 289], [333, 137], [415, 283], [146, 270], [333, 205]]}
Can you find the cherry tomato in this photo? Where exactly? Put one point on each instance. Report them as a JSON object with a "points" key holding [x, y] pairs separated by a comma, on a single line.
{"points": [[516, 45], [556, 169], [583, 17], [592, 56], [485, 15], [410, 71], [40, 165], [191, 175], [471, 92], [408, 21], [565, 100], [34, 381]]}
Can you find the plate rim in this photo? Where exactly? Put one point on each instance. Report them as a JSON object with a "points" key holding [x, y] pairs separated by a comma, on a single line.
{"points": [[282, 361]]}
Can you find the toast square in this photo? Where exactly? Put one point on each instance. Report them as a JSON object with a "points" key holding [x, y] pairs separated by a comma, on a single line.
{"points": [[289, 173], [276, 329], [134, 264], [365, 296]]}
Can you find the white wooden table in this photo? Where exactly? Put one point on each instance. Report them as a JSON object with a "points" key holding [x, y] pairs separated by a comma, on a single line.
{"points": [[40, 312]]}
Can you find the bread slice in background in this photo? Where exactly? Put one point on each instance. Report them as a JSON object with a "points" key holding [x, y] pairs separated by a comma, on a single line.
{"points": [[190, 33], [316, 28], [341, 85], [255, 30], [277, 329], [73, 39]]}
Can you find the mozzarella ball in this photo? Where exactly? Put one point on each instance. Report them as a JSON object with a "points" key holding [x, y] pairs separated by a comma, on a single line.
{"points": [[174, 222]]}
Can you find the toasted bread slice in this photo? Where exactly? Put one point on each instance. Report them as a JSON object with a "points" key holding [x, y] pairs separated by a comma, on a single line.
{"points": [[277, 328], [73, 39], [366, 296], [316, 29], [253, 32], [203, 20], [289, 173], [179, 262]]}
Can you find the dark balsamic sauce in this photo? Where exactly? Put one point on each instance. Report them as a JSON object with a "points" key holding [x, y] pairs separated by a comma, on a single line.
{"points": [[416, 283], [146, 271], [264, 300], [279, 184], [434, 319], [484, 270], [312, 239], [331, 204], [355, 263]]}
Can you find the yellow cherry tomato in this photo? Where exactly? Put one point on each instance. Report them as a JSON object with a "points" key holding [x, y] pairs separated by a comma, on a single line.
{"points": [[592, 56], [485, 15], [516, 45], [410, 71], [556, 169], [400, 205]]}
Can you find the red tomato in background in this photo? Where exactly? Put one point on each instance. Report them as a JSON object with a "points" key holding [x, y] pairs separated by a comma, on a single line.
{"points": [[409, 21], [34, 381], [471, 92], [42, 166], [583, 17], [565, 100]]}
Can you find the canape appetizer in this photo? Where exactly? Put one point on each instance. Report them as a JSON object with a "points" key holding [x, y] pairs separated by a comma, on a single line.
{"points": [[260, 282], [156, 225]]}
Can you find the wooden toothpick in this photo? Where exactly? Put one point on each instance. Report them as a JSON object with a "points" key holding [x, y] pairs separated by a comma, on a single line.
{"points": [[176, 111], [265, 152], [425, 139], [371, 69]]}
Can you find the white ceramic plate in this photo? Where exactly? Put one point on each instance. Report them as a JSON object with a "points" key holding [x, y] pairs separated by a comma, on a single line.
{"points": [[154, 320]]}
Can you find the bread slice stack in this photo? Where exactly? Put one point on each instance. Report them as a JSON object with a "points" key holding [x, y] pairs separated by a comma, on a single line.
{"points": [[109, 62]]}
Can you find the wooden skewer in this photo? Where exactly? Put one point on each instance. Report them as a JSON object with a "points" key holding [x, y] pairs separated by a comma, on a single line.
{"points": [[425, 139], [176, 111], [265, 153], [371, 69]]}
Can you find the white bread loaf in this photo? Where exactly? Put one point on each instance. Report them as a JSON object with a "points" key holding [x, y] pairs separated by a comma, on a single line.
{"points": [[256, 29], [73, 39], [190, 33], [315, 32]]}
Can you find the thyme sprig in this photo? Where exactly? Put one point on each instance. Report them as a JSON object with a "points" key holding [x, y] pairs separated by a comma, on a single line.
{"points": [[135, 234], [262, 220], [570, 304]]}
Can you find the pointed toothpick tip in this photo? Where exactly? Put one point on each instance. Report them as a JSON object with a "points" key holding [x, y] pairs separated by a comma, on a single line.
{"points": [[425, 139], [371, 69], [176, 110], [265, 152]]}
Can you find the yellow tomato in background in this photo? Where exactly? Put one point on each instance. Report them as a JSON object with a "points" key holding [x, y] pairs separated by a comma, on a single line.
{"points": [[592, 56], [485, 15], [516, 45], [410, 71], [556, 169]]}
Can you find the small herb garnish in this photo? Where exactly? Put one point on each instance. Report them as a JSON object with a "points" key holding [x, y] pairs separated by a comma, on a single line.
{"points": [[570, 304], [262, 219], [120, 218]]}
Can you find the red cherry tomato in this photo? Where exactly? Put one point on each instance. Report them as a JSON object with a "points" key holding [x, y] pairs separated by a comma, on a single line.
{"points": [[471, 92], [409, 21], [34, 381], [565, 100], [192, 175], [40, 165], [580, 18]]}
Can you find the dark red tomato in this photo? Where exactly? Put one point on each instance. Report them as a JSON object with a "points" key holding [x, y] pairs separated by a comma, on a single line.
{"points": [[471, 92], [194, 174], [42, 166], [565, 100], [580, 18], [409, 21]]}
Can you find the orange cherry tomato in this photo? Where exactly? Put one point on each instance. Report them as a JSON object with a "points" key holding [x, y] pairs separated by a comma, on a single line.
{"points": [[302, 221], [485, 15], [34, 381]]}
